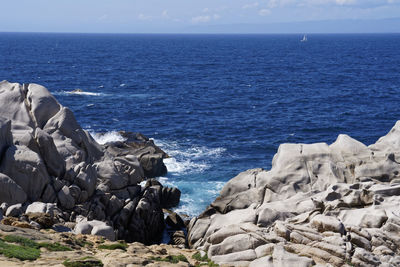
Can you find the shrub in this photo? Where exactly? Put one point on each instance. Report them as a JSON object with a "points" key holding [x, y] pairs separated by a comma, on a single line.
{"points": [[122, 246]]}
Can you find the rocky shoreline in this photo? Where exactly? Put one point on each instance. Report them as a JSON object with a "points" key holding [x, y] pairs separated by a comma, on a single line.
{"points": [[53, 174], [320, 204]]}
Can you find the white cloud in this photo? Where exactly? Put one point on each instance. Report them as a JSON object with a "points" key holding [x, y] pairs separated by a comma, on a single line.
{"points": [[205, 10], [264, 12], [205, 18], [345, 2], [201, 19], [252, 5], [142, 16]]}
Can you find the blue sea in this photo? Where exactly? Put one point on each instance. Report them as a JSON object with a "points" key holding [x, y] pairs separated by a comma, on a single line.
{"points": [[217, 104]]}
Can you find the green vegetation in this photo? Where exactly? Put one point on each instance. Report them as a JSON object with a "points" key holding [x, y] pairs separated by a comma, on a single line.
{"points": [[26, 249], [205, 261], [23, 241], [54, 246], [171, 258], [81, 242], [122, 246], [18, 251], [84, 262]]}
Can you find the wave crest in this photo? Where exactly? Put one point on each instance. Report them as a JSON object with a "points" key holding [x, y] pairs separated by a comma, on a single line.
{"points": [[193, 159], [103, 138]]}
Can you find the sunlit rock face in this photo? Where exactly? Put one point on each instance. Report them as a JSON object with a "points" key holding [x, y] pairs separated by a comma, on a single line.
{"points": [[46, 157], [319, 204]]}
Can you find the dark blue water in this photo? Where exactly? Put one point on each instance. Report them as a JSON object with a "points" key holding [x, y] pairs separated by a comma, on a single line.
{"points": [[218, 104]]}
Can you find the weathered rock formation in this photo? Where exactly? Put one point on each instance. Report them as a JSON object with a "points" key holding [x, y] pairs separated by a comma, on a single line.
{"points": [[46, 157], [335, 204]]}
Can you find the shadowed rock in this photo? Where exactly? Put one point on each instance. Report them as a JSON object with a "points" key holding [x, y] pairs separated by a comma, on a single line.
{"points": [[47, 158]]}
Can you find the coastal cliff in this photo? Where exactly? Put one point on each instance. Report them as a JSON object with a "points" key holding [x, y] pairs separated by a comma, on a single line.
{"points": [[50, 165], [323, 204], [320, 204]]}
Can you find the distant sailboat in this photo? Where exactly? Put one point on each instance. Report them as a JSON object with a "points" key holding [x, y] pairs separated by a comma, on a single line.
{"points": [[304, 38]]}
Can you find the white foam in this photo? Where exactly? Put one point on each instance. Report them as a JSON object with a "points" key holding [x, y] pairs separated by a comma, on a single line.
{"points": [[122, 85], [107, 137], [83, 93], [193, 159], [184, 166], [78, 93], [174, 149]]}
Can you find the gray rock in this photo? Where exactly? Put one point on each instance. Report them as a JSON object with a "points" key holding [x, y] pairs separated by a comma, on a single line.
{"points": [[15, 210], [35, 225], [40, 207], [12, 97], [324, 202], [153, 165], [86, 179], [27, 170], [10, 192], [95, 228], [282, 258], [4, 206], [170, 197], [41, 103], [54, 162], [134, 191], [66, 199], [49, 195], [361, 257], [6, 139], [175, 221], [83, 227], [327, 223], [120, 172], [236, 243], [247, 255], [70, 138], [114, 205], [265, 261], [104, 231], [75, 192]]}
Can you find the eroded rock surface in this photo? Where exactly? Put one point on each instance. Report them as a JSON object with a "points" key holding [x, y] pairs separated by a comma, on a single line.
{"points": [[335, 204], [46, 158]]}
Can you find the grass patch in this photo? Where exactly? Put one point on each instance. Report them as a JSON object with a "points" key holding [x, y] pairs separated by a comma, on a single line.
{"points": [[19, 252], [82, 243], [171, 258], [89, 262], [23, 241], [25, 248], [54, 246], [205, 260], [122, 246], [197, 256]]}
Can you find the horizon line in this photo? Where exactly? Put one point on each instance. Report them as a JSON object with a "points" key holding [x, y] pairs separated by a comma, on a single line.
{"points": [[198, 33]]}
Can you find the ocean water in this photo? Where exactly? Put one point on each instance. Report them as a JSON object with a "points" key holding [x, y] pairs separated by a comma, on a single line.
{"points": [[217, 104]]}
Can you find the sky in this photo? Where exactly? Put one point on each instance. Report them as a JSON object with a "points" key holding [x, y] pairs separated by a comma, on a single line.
{"points": [[175, 16]]}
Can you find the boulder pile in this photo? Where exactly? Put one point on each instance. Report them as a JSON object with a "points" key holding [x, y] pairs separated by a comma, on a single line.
{"points": [[334, 205], [50, 165]]}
